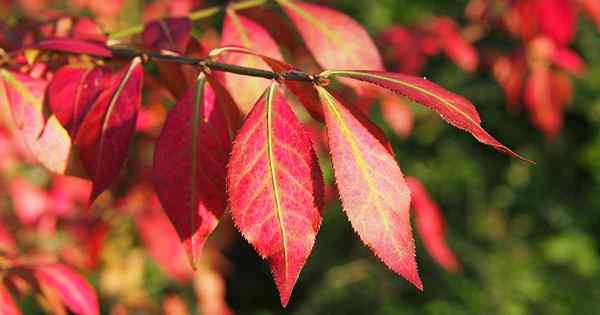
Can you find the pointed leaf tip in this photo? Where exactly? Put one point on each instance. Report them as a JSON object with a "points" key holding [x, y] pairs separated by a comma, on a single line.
{"points": [[431, 226], [374, 194], [453, 108], [275, 185], [190, 167]]}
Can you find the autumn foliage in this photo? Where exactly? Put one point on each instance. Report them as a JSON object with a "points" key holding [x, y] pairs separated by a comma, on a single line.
{"points": [[230, 119]]}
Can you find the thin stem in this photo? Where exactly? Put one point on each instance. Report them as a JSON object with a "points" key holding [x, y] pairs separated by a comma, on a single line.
{"points": [[292, 75], [253, 72], [243, 5], [194, 16]]}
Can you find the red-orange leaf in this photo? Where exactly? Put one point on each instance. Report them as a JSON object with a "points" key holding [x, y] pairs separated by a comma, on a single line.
{"points": [[190, 166], [431, 226], [334, 39], [455, 109], [72, 289], [72, 92], [45, 138], [275, 188], [7, 303], [104, 136], [374, 194], [241, 31]]}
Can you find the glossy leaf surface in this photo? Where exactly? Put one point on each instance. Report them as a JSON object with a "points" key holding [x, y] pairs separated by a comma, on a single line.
{"points": [[105, 133], [71, 93], [275, 188], [190, 166]]}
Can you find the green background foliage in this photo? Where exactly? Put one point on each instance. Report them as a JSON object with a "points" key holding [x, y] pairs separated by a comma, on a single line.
{"points": [[527, 235]]}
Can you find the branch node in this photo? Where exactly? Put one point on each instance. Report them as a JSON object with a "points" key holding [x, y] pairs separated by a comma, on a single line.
{"points": [[320, 80]]}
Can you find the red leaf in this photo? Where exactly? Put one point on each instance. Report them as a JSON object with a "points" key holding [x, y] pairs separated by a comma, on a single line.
{"points": [[546, 112], [275, 188], [398, 115], [160, 240], [104, 136], [453, 108], [568, 60], [190, 166], [335, 40], [74, 46], [71, 94], [372, 188], [86, 29], [557, 19], [29, 201], [241, 31], [7, 303], [454, 45], [8, 245], [171, 34], [431, 226], [47, 140], [227, 104], [75, 292], [510, 73], [174, 35], [404, 47]]}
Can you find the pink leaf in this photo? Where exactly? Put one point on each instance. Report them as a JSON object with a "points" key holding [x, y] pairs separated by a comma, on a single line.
{"points": [[431, 226], [190, 165], [241, 31], [397, 114], [74, 46], [455, 109], [335, 40], [275, 188], [374, 194], [71, 94], [29, 201], [568, 60], [75, 292], [47, 140], [7, 303], [104, 136]]}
